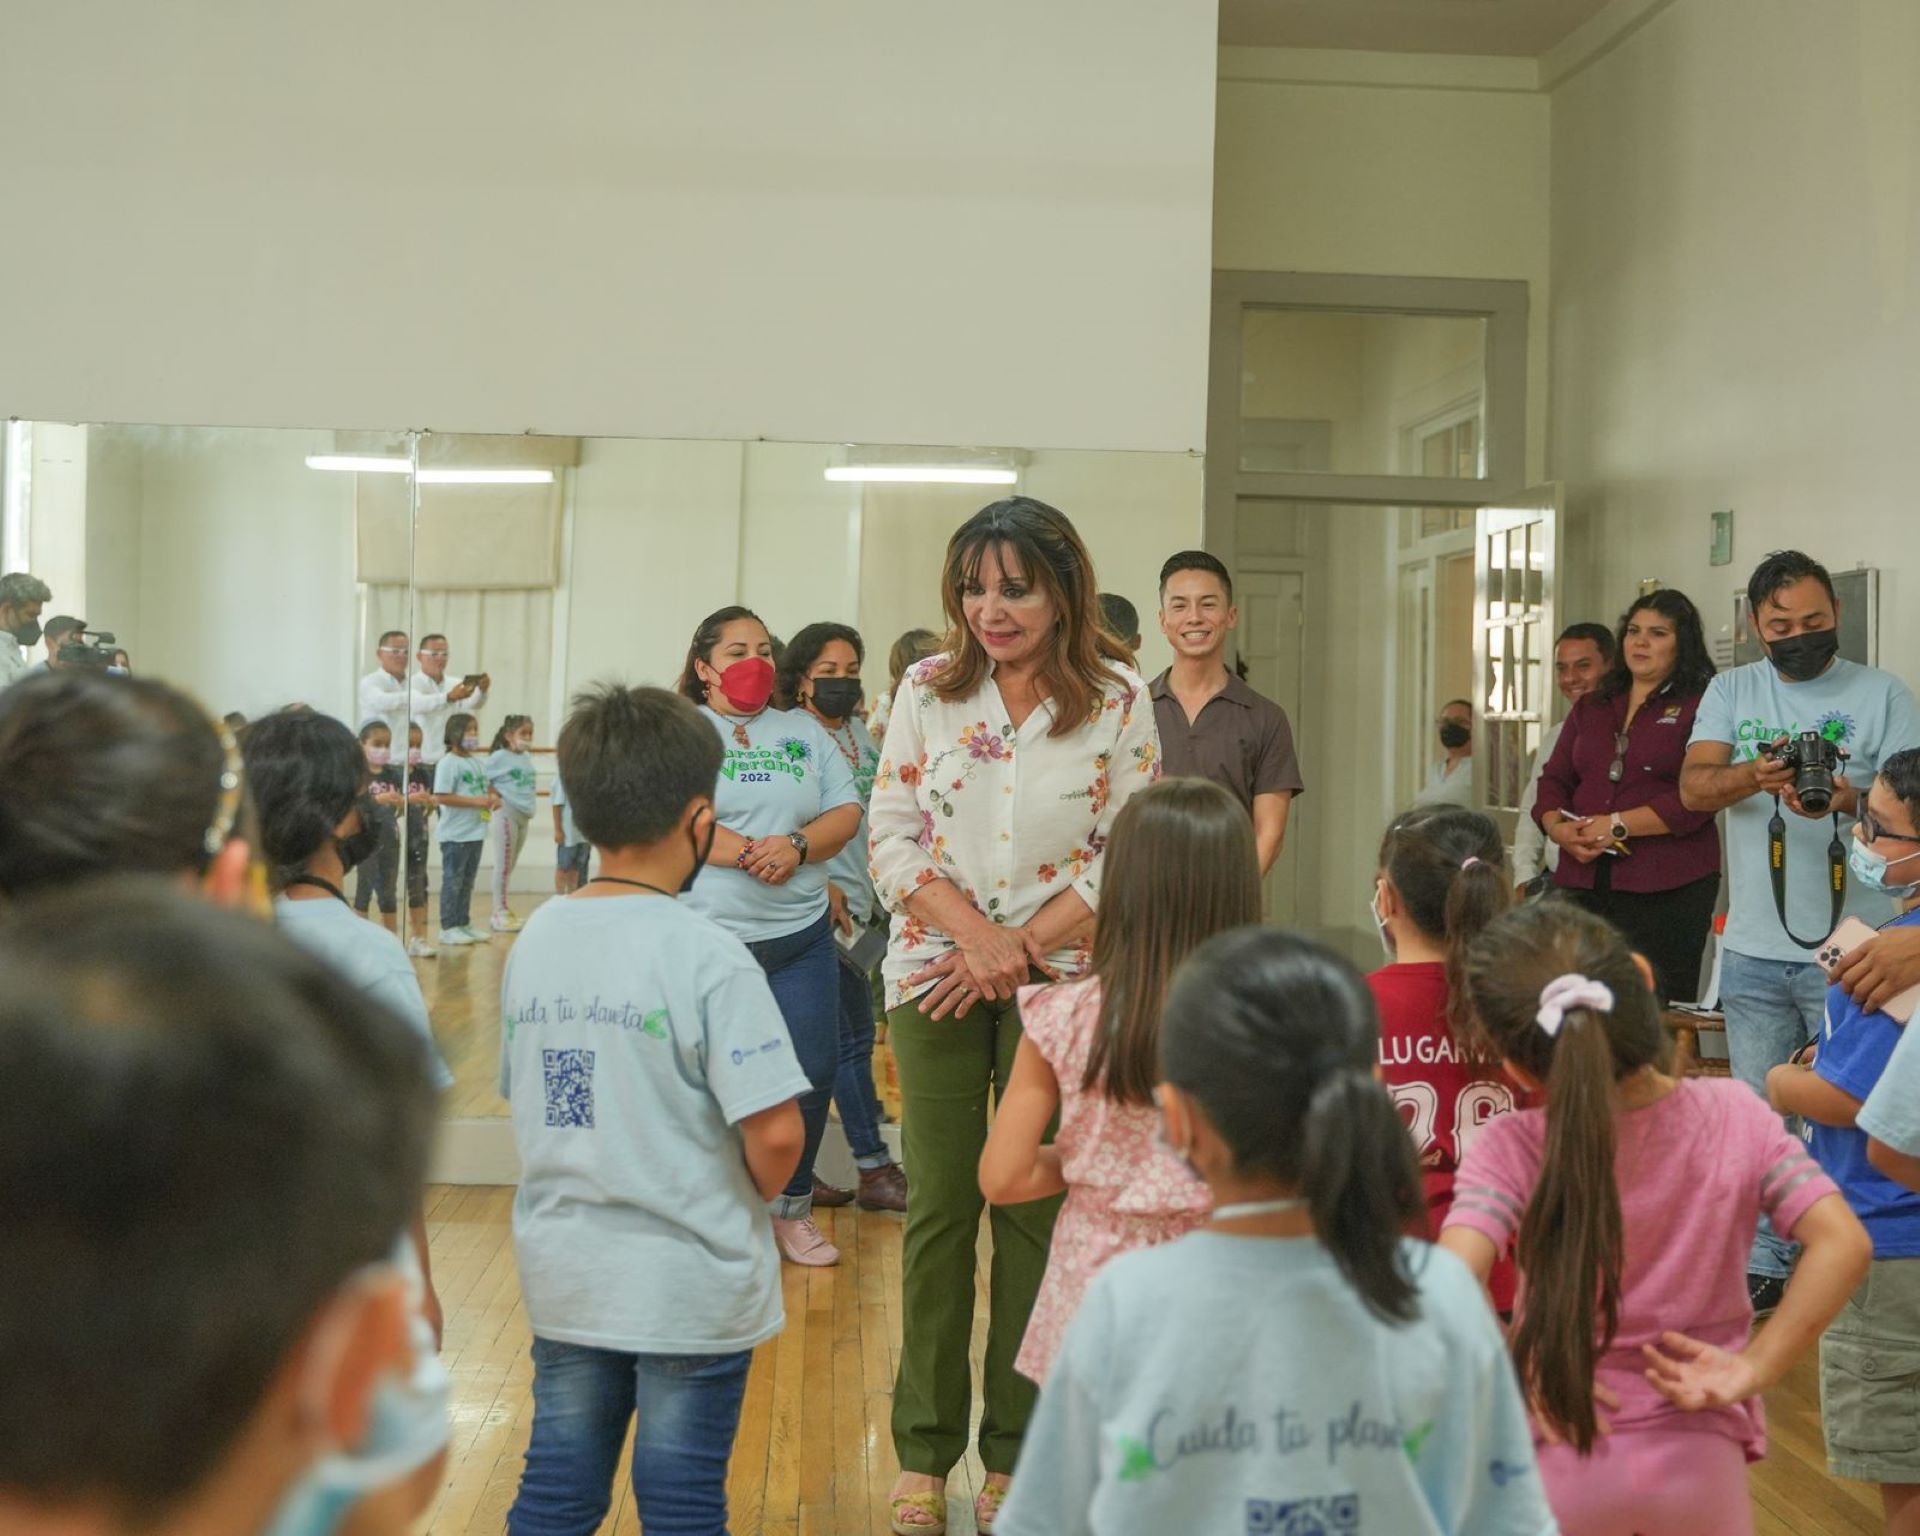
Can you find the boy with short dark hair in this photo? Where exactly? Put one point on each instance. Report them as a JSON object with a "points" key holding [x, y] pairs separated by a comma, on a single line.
{"points": [[211, 1151], [653, 1086]]}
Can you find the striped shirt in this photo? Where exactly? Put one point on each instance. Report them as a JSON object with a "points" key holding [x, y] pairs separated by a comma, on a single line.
{"points": [[1696, 1170]]}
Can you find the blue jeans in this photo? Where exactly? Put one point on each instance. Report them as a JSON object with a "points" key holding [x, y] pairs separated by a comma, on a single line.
{"points": [[803, 970], [459, 863], [1773, 1007], [853, 1082], [583, 1400]]}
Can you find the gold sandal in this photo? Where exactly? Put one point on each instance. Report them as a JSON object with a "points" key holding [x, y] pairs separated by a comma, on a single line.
{"points": [[987, 1506], [932, 1504]]}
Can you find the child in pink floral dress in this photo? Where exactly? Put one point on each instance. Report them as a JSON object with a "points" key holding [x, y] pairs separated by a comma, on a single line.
{"points": [[1182, 867]]}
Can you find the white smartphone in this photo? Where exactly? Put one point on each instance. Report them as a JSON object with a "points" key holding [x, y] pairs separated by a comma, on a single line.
{"points": [[1843, 941]]}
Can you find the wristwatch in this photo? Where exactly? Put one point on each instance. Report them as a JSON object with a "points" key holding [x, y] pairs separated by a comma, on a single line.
{"points": [[1618, 831], [799, 841]]}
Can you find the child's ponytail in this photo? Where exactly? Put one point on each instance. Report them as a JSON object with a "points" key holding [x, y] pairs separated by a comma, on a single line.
{"points": [[1277, 1040], [1558, 994], [1359, 1183], [1449, 867]]}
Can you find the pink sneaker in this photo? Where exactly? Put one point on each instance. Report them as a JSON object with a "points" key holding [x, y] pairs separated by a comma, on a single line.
{"points": [[802, 1242]]}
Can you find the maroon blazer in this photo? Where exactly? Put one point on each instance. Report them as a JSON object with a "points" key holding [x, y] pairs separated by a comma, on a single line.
{"points": [[1575, 782]]}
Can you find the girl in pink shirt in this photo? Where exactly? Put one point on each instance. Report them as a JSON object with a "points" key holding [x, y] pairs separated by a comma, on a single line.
{"points": [[1182, 867], [1639, 1192]]}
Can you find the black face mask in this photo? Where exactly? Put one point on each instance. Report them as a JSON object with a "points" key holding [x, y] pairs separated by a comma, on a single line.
{"points": [[1453, 734], [1801, 658], [27, 633], [700, 853], [836, 697], [358, 847]]}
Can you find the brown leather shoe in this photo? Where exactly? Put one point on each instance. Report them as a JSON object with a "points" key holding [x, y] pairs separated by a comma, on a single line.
{"points": [[883, 1189], [824, 1194]]}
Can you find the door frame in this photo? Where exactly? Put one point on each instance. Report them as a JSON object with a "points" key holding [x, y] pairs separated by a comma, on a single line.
{"points": [[1303, 837]]}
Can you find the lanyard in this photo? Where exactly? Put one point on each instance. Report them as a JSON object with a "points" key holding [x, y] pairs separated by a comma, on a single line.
{"points": [[638, 885], [1257, 1208], [1777, 871], [320, 885]]}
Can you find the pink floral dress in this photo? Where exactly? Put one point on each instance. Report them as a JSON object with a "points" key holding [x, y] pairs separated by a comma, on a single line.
{"points": [[1124, 1189]]}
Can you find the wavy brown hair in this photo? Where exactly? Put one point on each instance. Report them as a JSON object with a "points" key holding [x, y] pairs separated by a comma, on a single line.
{"points": [[1572, 1238], [1053, 558], [1182, 867]]}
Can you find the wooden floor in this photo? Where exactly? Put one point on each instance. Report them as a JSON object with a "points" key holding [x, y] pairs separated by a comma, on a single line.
{"points": [[814, 1457]]}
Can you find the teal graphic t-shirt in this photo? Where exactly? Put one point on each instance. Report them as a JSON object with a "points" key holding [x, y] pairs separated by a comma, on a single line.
{"points": [[512, 774], [786, 775], [465, 776], [635, 1036], [848, 868], [1234, 1384], [1866, 711]]}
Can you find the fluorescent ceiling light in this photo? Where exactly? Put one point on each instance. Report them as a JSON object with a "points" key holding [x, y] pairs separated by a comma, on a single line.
{"points": [[485, 477], [923, 474], [359, 463]]}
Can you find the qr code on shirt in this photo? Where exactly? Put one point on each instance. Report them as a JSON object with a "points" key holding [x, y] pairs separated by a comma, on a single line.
{"points": [[569, 1088], [1337, 1516]]}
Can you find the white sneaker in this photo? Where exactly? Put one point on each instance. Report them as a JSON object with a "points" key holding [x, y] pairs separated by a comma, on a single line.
{"points": [[420, 949], [505, 922], [455, 936], [476, 935]]}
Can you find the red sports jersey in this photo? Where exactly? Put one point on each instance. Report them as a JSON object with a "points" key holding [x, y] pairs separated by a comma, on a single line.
{"points": [[1444, 1093]]}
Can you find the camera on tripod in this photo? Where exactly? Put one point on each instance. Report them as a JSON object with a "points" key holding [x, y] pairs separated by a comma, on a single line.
{"points": [[93, 648], [1814, 761]]}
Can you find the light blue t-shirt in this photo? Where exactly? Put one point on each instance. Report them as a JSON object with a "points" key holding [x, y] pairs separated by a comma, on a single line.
{"points": [[569, 829], [456, 775], [787, 775], [1865, 710], [366, 955], [512, 774], [1891, 1112], [1233, 1384], [848, 868], [635, 1035]]}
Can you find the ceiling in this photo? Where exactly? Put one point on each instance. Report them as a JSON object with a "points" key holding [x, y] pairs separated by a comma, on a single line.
{"points": [[1525, 28]]}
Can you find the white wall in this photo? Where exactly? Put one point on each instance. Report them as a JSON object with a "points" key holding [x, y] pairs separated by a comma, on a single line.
{"points": [[869, 221], [1735, 282]]}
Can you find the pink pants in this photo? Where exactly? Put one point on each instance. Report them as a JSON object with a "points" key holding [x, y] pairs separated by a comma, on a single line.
{"points": [[1655, 1483]]}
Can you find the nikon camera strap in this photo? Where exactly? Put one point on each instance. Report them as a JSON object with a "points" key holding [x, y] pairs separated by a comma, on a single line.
{"points": [[1777, 869]]}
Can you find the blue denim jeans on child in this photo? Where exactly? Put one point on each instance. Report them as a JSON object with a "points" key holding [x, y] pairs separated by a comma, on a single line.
{"points": [[853, 1087], [459, 863], [803, 970], [1773, 1007], [688, 1409]]}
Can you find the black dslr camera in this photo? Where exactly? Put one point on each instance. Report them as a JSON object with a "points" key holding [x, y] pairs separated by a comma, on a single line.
{"points": [[1814, 761], [92, 648]]}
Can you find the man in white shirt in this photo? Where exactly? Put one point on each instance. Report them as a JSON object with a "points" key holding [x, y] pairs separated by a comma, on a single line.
{"points": [[434, 700], [21, 598], [383, 691], [1581, 657]]}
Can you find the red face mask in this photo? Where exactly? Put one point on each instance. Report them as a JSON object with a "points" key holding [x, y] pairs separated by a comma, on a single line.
{"points": [[748, 684]]}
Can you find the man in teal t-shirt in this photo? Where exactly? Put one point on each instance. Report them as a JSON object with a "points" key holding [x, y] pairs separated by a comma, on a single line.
{"points": [[1771, 989]]}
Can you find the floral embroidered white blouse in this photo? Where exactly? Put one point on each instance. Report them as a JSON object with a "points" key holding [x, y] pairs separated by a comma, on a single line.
{"points": [[1011, 817]]}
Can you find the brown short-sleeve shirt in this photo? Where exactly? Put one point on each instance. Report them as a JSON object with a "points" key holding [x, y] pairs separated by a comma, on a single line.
{"points": [[1241, 741]]}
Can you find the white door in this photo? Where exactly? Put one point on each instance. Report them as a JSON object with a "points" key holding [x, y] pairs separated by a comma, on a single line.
{"points": [[1516, 597], [1272, 632]]}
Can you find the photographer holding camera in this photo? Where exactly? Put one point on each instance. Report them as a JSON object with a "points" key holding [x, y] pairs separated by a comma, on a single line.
{"points": [[22, 596], [1782, 745]]}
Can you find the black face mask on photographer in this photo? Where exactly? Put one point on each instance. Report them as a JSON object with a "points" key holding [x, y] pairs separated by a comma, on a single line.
{"points": [[1454, 735], [1803, 657], [836, 697]]}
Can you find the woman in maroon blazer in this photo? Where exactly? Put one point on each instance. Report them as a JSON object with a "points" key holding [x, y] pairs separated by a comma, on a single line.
{"points": [[1610, 794]]}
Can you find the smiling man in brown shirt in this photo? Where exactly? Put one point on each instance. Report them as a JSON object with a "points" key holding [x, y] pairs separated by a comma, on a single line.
{"points": [[1212, 725]]}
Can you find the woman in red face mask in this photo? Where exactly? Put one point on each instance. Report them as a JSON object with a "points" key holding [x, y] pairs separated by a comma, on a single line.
{"points": [[786, 804]]}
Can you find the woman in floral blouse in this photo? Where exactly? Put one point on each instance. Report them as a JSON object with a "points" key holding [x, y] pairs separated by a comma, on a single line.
{"points": [[1006, 760]]}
